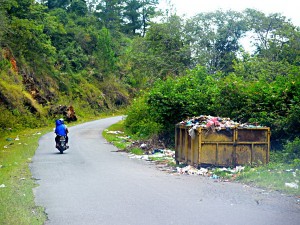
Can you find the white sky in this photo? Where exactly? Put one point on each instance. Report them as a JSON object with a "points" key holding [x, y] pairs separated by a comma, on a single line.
{"points": [[288, 8]]}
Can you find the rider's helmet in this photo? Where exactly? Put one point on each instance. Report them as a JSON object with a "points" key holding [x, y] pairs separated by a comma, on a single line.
{"points": [[62, 120]]}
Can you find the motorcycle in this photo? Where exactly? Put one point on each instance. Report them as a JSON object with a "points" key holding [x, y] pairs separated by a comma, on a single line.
{"points": [[62, 145]]}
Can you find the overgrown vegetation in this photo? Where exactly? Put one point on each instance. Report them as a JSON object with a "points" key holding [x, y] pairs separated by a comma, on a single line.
{"points": [[274, 176], [268, 103]]}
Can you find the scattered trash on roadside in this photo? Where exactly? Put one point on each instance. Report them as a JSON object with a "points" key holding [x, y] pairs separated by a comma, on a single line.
{"points": [[291, 185], [212, 173], [214, 176], [143, 146], [187, 170], [294, 174], [156, 152], [114, 132]]}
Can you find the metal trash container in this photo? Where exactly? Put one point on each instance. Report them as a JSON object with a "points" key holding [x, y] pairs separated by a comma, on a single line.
{"points": [[223, 147]]}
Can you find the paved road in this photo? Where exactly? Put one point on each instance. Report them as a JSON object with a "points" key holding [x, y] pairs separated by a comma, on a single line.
{"points": [[91, 184]]}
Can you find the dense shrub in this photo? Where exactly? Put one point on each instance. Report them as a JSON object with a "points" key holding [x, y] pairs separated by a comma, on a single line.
{"points": [[292, 148], [139, 121]]}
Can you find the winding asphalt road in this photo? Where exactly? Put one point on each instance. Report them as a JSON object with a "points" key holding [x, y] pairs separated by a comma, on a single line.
{"points": [[92, 184]]}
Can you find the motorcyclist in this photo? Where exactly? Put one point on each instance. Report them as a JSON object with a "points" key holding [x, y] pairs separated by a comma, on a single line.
{"points": [[61, 130]]}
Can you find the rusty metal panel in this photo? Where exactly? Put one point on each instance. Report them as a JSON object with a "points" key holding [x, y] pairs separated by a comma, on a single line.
{"points": [[216, 136], [253, 135], [243, 155], [224, 147], [225, 155], [208, 154], [195, 150]]}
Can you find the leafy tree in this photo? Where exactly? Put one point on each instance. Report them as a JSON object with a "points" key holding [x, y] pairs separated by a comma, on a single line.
{"points": [[109, 13], [106, 54], [256, 68], [57, 3], [275, 38], [79, 7], [166, 42], [148, 11], [214, 39], [138, 68], [29, 39], [132, 16], [3, 20]]}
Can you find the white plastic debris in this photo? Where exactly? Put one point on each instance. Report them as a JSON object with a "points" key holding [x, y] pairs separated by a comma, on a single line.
{"points": [[169, 153], [188, 170], [203, 171], [2, 186], [143, 146], [114, 132], [192, 132], [145, 157], [292, 185]]}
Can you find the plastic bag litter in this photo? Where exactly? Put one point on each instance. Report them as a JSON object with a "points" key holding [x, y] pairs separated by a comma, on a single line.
{"points": [[192, 133], [291, 185]]}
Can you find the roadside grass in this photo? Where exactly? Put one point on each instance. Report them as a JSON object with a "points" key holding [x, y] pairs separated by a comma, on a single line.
{"points": [[16, 182], [274, 176], [137, 151], [115, 135], [164, 160]]}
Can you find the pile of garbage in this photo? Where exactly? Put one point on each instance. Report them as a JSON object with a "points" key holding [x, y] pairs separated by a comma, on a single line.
{"points": [[214, 173], [163, 154], [214, 123], [217, 122], [167, 156]]}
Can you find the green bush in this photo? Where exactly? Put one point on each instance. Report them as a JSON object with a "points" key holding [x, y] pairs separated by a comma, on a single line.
{"points": [[175, 99], [292, 150], [139, 121]]}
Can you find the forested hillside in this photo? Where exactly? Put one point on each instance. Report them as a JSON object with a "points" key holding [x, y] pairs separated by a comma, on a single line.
{"points": [[99, 55]]}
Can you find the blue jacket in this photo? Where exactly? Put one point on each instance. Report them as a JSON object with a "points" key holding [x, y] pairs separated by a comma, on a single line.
{"points": [[60, 129]]}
